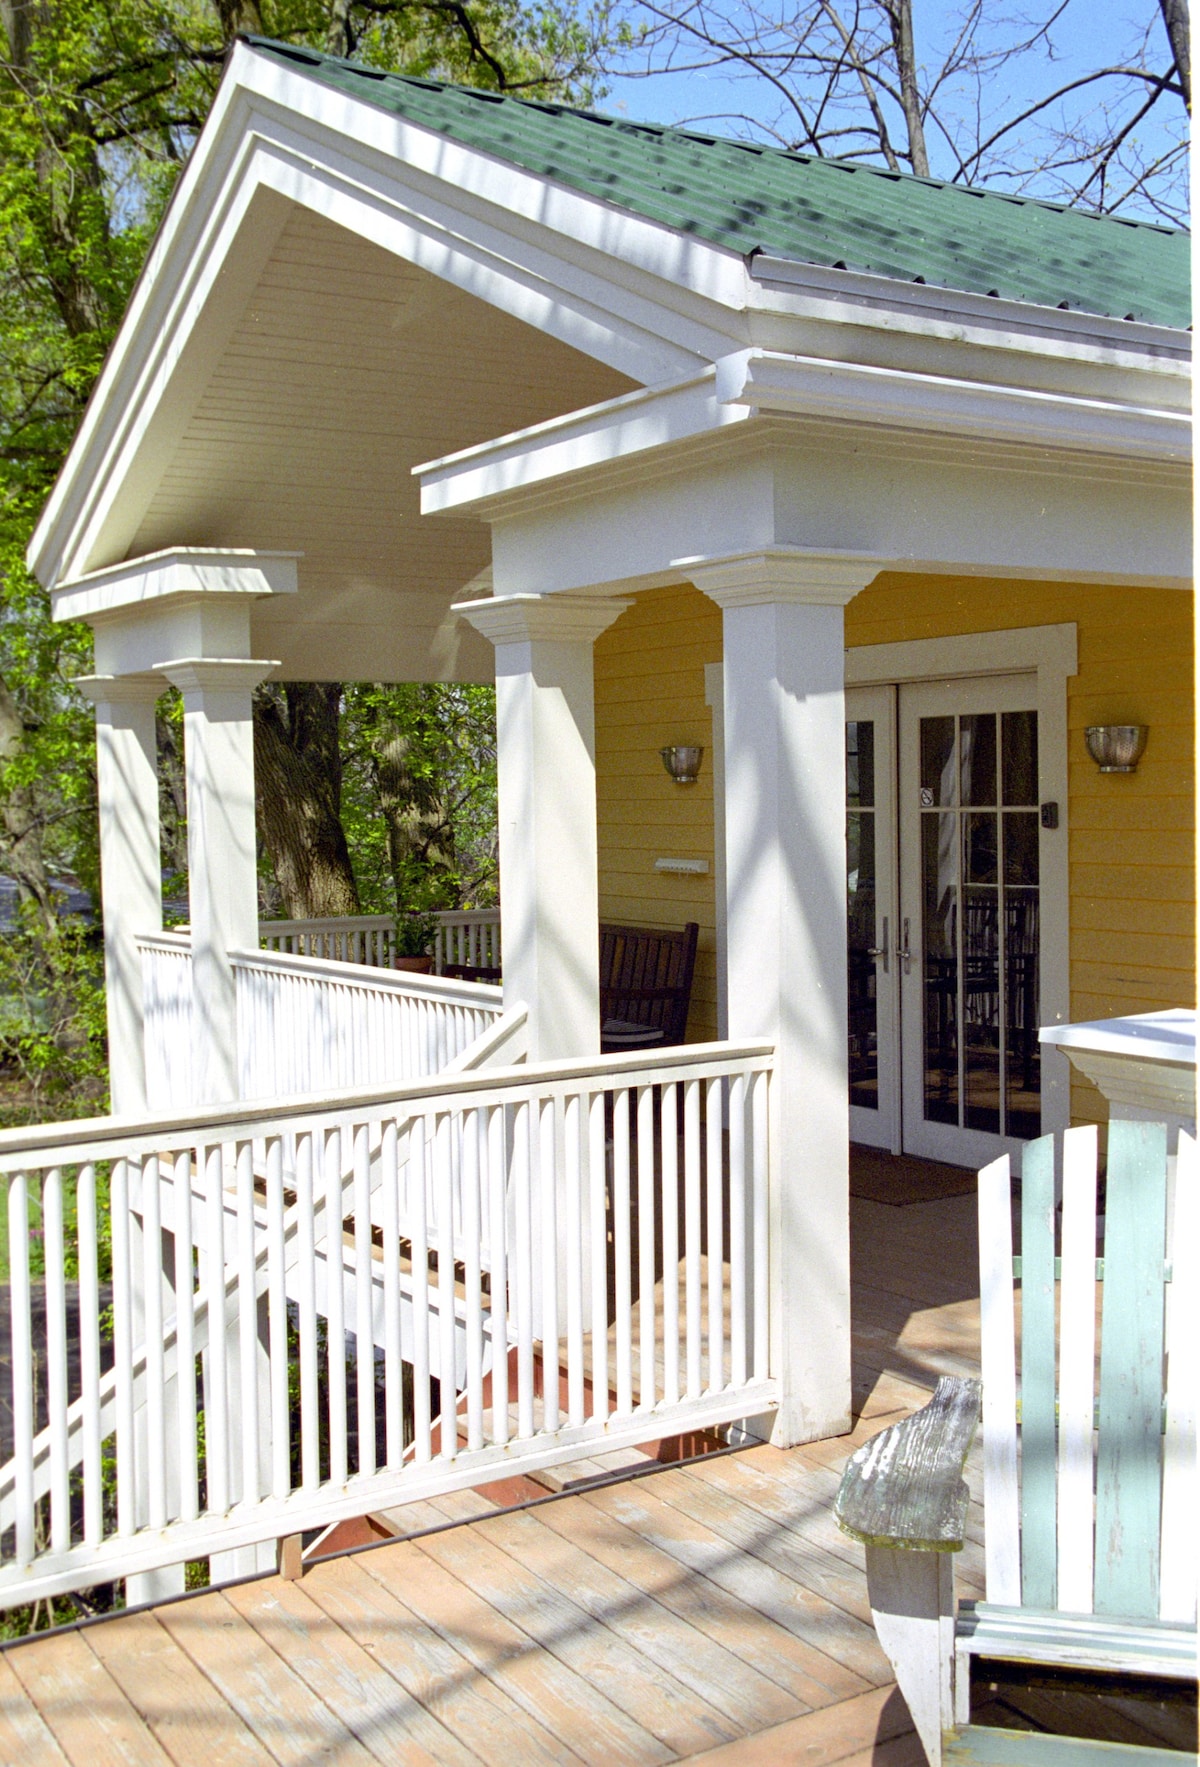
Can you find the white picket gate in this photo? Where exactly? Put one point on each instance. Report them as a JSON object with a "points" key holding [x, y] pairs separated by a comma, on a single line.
{"points": [[551, 1260]]}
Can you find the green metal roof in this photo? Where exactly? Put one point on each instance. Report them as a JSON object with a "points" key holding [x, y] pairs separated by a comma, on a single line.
{"points": [[749, 198]]}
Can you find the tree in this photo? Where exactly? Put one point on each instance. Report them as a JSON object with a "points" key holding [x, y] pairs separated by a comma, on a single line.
{"points": [[100, 103], [971, 94]]}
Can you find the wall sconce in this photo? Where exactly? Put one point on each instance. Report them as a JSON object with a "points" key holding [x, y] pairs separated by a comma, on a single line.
{"points": [[1116, 748], [682, 762]]}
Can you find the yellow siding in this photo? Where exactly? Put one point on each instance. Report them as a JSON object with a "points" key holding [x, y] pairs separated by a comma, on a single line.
{"points": [[649, 693], [1133, 901]]}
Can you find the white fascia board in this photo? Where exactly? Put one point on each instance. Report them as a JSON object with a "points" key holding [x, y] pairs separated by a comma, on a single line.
{"points": [[514, 472], [624, 290], [769, 381], [854, 297], [514, 466]]}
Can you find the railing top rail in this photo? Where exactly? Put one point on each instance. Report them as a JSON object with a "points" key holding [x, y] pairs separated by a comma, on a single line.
{"points": [[355, 922], [177, 941], [361, 975], [102, 1138]]}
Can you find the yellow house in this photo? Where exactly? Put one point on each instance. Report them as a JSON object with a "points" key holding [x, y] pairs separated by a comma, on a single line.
{"points": [[876, 489]]}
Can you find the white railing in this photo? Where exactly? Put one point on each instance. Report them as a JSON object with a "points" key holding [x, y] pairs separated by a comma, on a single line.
{"points": [[306, 1025], [469, 936], [553, 1260]]}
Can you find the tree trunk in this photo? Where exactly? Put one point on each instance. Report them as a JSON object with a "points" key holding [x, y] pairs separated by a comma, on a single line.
{"points": [[1179, 35], [20, 823], [298, 785], [419, 833], [900, 16]]}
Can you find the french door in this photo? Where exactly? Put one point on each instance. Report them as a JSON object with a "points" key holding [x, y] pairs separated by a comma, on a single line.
{"points": [[944, 925]]}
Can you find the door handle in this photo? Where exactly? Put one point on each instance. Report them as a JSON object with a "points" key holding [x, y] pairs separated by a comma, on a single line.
{"points": [[881, 950], [903, 954]]}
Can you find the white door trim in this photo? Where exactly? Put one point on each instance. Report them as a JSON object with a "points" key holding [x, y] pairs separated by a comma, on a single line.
{"points": [[1052, 653]]}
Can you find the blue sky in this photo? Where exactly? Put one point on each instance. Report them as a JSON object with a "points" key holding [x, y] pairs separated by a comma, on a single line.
{"points": [[1088, 34]]}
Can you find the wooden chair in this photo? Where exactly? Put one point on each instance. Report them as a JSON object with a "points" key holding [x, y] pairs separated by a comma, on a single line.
{"points": [[1090, 1508], [645, 985]]}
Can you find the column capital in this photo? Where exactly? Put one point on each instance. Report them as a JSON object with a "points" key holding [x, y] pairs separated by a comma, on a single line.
{"points": [[137, 690], [199, 674], [554, 619], [178, 573], [784, 574]]}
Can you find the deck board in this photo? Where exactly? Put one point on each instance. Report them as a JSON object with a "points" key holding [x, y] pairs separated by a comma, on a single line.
{"points": [[709, 1611]]}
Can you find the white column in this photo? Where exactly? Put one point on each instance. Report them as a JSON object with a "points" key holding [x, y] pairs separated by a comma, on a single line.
{"points": [[785, 855], [130, 865], [222, 877], [546, 765]]}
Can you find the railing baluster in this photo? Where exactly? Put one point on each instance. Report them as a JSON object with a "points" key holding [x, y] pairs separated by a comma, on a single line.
{"points": [[498, 1261], [277, 1322], [691, 1231], [447, 1311], [216, 1379], [247, 1310], [187, 1447], [647, 1320], [547, 1124], [153, 1410], [473, 1130], [669, 1129], [574, 1274], [598, 1204], [122, 1344], [393, 1370], [715, 1180], [419, 1159], [759, 1117], [737, 1231], [335, 1324], [621, 1208], [523, 1275], [21, 1329], [364, 1320], [56, 1357], [306, 1303], [89, 1352]]}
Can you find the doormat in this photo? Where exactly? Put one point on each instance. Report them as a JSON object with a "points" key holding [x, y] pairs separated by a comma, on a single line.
{"points": [[898, 1179]]}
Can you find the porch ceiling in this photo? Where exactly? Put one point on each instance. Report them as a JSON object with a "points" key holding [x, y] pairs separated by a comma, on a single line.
{"points": [[347, 367]]}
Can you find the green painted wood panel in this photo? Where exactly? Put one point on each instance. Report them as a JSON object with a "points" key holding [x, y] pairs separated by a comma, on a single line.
{"points": [[976, 1746], [1039, 1447], [1128, 1460]]}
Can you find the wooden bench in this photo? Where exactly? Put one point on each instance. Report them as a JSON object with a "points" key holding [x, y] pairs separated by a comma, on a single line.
{"points": [[645, 984], [1090, 1502]]}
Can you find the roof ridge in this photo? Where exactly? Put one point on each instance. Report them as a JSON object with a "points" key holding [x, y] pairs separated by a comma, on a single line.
{"points": [[304, 54]]}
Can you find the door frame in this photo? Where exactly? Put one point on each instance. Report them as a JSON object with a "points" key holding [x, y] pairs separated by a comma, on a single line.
{"points": [[1051, 654]]}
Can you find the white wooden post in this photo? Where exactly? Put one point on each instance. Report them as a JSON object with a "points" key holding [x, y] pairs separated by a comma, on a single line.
{"points": [[222, 878], [130, 866], [545, 724], [785, 855]]}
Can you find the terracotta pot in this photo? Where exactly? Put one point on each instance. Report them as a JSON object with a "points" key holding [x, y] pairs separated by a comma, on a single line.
{"points": [[419, 966]]}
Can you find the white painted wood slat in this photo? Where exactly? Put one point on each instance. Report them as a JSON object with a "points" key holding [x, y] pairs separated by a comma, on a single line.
{"points": [[998, 1337]]}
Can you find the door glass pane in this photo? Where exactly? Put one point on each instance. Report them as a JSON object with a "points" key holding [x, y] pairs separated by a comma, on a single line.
{"points": [[860, 763], [979, 922], [860, 892], [939, 921], [1021, 974], [978, 742], [1019, 733], [937, 762], [981, 1006]]}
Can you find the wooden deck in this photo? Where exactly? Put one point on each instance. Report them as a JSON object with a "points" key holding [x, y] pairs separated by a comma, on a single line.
{"points": [[709, 1611]]}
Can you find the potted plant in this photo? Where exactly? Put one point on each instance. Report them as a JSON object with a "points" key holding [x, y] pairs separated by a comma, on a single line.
{"points": [[413, 941]]}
